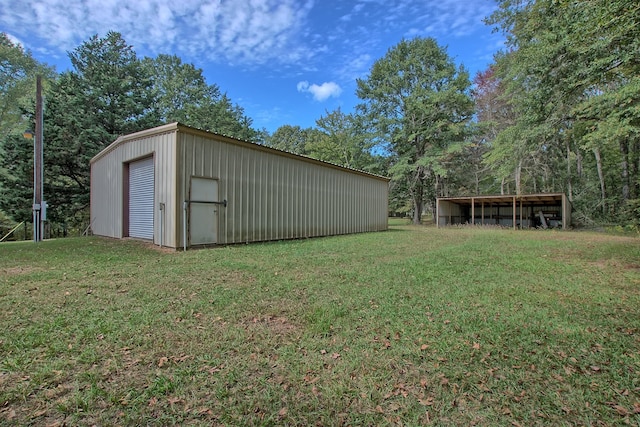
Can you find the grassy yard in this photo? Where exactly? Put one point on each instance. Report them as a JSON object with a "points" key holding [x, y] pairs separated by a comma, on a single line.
{"points": [[414, 326]]}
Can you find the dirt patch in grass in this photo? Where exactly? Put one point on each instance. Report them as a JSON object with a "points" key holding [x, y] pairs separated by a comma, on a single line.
{"points": [[632, 267], [276, 325], [18, 270]]}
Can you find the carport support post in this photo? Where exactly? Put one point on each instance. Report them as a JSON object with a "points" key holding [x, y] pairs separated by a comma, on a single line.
{"points": [[521, 226], [437, 213], [473, 211], [514, 213]]}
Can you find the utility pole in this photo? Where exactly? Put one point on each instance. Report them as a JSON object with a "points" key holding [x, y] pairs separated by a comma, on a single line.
{"points": [[39, 208]]}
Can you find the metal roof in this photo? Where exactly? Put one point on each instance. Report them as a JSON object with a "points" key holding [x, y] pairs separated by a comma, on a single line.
{"points": [[178, 127], [526, 199]]}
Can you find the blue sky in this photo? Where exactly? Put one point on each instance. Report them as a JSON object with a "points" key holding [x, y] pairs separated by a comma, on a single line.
{"points": [[283, 61]]}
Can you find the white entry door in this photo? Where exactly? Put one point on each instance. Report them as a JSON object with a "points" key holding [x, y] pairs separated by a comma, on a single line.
{"points": [[203, 215]]}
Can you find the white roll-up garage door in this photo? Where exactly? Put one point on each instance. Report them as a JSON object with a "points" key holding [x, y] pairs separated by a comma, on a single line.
{"points": [[141, 199]]}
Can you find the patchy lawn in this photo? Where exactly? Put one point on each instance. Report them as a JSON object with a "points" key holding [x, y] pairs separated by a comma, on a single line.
{"points": [[412, 326]]}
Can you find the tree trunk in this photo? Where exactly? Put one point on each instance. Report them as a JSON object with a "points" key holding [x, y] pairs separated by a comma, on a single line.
{"points": [[635, 170], [579, 164], [477, 180], [569, 184], [603, 188], [417, 210], [518, 176], [418, 200], [624, 150]]}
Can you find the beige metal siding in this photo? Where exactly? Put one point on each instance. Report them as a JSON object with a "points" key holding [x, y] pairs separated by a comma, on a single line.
{"points": [[107, 185], [274, 196], [271, 195]]}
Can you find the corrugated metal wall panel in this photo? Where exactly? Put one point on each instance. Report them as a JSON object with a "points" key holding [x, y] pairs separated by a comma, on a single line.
{"points": [[272, 196], [108, 186]]}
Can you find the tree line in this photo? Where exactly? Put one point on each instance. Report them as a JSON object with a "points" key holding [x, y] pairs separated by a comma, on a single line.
{"points": [[556, 111]]}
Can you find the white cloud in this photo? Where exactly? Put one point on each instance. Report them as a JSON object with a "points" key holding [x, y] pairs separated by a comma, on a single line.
{"points": [[320, 92], [16, 41], [237, 31], [452, 17]]}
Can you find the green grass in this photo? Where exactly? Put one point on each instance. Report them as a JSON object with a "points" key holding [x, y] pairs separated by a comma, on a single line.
{"points": [[412, 326]]}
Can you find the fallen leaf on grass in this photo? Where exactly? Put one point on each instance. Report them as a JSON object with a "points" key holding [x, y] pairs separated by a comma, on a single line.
{"points": [[39, 413], [162, 361], [621, 410], [283, 412], [335, 356], [180, 358], [153, 401], [310, 379], [636, 408], [173, 400], [476, 346], [426, 402], [423, 347], [214, 370]]}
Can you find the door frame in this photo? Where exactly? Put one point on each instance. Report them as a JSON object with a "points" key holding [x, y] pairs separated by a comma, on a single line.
{"points": [[192, 201]]}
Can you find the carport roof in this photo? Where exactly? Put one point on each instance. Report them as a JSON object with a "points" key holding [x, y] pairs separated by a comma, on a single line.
{"points": [[527, 199]]}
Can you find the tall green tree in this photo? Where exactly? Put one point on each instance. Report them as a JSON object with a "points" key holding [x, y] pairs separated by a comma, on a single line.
{"points": [[572, 77], [493, 166], [418, 101], [342, 139], [289, 138], [16, 178], [18, 70], [106, 95], [182, 94]]}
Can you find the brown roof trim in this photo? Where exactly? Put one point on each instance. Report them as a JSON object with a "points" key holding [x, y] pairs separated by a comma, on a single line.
{"points": [[542, 198]]}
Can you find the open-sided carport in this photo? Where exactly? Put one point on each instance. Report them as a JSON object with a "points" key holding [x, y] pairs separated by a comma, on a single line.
{"points": [[524, 211]]}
